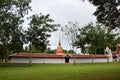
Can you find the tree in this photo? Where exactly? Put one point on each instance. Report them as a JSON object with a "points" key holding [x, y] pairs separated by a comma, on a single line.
{"points": [[11, 18], [40, 30], [70, 33], [107, 12], [1, 53], [95, 37]]}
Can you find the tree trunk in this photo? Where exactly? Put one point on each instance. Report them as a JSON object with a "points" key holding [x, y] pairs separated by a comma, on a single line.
{"points": [[30, 59], [93, 56], [6, 56], [74, 61]]}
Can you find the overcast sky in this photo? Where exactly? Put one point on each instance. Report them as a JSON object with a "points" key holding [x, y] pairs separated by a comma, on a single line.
{"points": [[62, 11]]}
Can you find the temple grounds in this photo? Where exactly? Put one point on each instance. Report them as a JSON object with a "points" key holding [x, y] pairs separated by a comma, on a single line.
{"points": [[97, 71]]}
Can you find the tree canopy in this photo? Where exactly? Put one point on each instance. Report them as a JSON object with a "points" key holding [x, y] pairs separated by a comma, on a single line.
{"points": [[11, 18], [107, 12], [70, 32], [40, 30], [95, 37]]}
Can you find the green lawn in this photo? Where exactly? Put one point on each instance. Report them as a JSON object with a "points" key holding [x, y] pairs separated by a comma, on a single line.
{"points": [[99, 71]]}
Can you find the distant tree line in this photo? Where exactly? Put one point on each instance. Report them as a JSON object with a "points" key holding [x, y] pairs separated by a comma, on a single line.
{"points": [[53, 51]]}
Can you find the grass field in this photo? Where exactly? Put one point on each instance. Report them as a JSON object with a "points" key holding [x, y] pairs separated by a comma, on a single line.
{"points": [[99, 71]]}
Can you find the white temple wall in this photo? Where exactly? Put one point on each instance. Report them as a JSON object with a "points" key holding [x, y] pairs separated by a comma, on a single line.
{"points": [[48, 60], [89, 60], [19, 60], [37, 60], [56, 60]]}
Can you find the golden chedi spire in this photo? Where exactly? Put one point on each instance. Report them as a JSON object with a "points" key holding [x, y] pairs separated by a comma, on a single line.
{"points": [[59, 48]]}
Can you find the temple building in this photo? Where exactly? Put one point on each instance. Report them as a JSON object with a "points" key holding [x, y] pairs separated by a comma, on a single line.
{"points": [[58, 57]]}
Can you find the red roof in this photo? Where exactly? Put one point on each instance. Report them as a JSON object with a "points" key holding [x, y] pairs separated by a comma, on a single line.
{"points": [[39, 55], [89, 56]]}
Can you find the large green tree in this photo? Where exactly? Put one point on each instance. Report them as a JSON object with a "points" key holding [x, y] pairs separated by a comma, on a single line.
{"points": [[40, 30], [11, 19], [95, 38], [107, 12]]}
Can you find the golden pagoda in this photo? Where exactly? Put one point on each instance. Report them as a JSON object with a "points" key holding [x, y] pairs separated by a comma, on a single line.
{"points": [[59, 48]]}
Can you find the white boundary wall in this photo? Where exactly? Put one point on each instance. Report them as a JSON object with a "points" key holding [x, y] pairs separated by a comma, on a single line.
{"points": [[37, 60], [89, 60], [56, 60]]}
